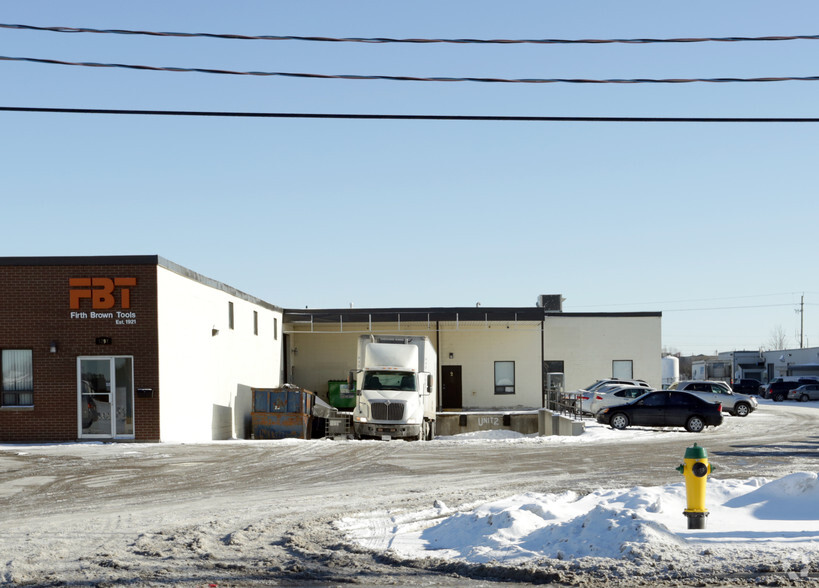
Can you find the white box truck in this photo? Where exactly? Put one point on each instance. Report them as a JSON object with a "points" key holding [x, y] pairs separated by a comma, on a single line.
{"points": [[395, 382]]}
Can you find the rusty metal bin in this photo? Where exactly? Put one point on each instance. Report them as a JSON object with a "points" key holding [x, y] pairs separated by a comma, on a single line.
{"points": [[289, 399], [281, 425], [282, 413]]}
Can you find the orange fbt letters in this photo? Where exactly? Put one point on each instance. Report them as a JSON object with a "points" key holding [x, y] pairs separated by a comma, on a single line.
{"points": [[100, 291]]}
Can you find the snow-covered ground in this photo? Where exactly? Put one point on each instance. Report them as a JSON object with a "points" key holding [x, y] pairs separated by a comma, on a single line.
{"points": [[746, 518], [605, 506]]}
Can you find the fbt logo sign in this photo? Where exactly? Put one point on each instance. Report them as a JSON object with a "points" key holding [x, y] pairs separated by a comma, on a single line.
{"points": [[103, 294]]}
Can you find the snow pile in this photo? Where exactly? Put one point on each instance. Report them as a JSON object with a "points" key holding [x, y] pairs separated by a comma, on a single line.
{"points": [[794, 497], [640, 522]]}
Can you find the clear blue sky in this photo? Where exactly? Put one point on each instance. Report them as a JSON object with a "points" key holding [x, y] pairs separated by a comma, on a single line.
{"points": [[713, 224]]}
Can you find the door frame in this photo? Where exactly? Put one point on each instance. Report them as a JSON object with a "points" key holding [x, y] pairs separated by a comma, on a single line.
{"points": [[112, 396], [458, 371]]}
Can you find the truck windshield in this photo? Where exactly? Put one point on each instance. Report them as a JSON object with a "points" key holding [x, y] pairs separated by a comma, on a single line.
{"points": [[379, 380]]}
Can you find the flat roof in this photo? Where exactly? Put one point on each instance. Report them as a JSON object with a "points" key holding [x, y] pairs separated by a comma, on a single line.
{"points": [[465, 313], [83, 260]]}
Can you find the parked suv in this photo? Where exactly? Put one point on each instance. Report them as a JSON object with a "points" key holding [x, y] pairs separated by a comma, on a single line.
{"points": [[749, 386], [732, 402]]}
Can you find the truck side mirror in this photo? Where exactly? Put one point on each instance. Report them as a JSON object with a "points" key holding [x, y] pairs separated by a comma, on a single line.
{"points": [[351, 381], [429, 383]]}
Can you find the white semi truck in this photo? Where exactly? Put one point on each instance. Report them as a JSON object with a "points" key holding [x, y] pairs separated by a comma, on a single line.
{"points": [[395, 382]]}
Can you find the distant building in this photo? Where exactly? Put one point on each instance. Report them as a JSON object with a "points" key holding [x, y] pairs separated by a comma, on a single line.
{"points": [[745, 364], [791, 362]]}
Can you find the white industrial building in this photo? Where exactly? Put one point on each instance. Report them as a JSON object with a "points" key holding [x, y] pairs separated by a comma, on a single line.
{"points": [[500, 358]]}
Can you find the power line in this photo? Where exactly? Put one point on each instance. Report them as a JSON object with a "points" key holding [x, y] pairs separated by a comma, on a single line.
{"points": [[409, 40], [430, 117], [693, 300], [412, 78], [724, 308]]}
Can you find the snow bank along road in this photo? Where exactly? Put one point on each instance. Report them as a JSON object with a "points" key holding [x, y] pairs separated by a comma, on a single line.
{"points": [[265, 512]]}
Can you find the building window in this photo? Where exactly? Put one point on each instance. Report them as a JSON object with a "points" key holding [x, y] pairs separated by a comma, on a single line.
{"points": [[275, 329], [230, 315], [18, 377], [504, 377], [255, 323], [622, 368]]}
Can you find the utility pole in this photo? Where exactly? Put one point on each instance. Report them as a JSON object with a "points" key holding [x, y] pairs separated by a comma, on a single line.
{"points": [[802, 323]]}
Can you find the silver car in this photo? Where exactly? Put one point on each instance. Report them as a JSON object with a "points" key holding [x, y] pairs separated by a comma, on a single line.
{"points": [[732, 402], [613, 395], [805, 393]]}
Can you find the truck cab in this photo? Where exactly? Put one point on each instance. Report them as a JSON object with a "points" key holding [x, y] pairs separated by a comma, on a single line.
{"points": [[395, 388]]}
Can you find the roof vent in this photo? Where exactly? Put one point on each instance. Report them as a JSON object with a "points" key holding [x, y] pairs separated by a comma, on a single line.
{"points": [[551, 302]]}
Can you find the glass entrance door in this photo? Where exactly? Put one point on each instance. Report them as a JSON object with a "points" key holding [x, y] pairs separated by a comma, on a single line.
{"points": [[105, 393]]}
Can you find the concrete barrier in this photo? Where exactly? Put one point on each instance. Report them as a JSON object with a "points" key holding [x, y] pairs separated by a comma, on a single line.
{"points": [[569, 427], [544, 422], [456, 423]]}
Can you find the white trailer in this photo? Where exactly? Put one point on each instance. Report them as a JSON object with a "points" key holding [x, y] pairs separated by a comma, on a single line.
{"points": [[396, 392]]}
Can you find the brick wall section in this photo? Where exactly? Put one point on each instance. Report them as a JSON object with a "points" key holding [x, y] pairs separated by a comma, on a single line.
{"points": [[34, 310]]}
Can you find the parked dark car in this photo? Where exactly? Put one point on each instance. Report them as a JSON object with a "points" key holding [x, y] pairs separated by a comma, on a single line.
{"points": [[747, 386], [779, 388], [664, 408]]}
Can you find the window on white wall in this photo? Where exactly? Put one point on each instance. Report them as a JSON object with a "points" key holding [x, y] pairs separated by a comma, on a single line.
{"points": [[504, 377], [622, 368], [255, 322], [230, 315], [275, 329]]}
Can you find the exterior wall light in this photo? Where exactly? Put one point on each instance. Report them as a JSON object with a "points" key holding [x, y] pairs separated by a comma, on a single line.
{"points": [[53, 347]]}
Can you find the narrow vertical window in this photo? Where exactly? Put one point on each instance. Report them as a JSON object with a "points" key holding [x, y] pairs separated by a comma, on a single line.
{"points": [[230, 315], [275, 329], [504, 377], [255, 323]]}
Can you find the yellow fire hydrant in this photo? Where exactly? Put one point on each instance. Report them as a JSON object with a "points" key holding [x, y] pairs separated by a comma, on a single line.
{"points": [[695, 469]]}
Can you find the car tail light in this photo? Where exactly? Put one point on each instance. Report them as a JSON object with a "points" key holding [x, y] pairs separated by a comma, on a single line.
{"points": [[720, 406], [598, 397]]}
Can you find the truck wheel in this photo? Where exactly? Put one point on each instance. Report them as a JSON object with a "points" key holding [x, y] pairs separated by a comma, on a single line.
{"points": [[742, 409], [619, 421], [695, 424], [431, 431]]}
